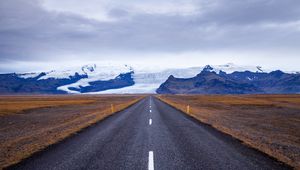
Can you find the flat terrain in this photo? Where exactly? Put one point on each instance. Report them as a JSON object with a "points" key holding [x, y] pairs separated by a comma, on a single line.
{"points": [[30, 123], [149, 135], [270, 123]]}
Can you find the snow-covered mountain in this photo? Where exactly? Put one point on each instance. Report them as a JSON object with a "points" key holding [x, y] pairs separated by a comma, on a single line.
{"points": [[88, 78], [103, 72], [208, 81], [106, 79], [94, 73]]}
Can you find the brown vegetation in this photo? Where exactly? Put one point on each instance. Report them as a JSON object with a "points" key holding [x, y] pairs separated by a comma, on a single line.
{"points": [[269, 123], [31, 123]]}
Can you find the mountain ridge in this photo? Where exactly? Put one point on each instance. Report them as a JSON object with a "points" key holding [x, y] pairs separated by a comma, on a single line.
{"points": [[106, 79], [247, 82]]}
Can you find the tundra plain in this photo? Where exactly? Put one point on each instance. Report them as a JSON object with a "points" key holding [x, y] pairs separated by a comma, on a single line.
{"points": [[29, 124], [269, 123]]}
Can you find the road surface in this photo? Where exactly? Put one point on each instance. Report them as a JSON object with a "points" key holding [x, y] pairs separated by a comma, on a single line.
{"points": [[149, 135]]}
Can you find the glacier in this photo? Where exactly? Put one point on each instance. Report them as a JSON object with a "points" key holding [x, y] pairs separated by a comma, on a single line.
{"points": [[146, 80]]}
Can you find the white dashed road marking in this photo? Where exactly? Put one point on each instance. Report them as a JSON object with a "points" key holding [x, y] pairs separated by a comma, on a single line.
{"points": [[150, 161]]}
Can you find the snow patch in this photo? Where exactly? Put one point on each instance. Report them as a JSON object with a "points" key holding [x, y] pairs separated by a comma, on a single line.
{"points": [[28, 75], [249, 78], [230, 68]]}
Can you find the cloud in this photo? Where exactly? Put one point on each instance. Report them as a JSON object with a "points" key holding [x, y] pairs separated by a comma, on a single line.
{"points": [[252, 11], [100, 9], [51, 30]]}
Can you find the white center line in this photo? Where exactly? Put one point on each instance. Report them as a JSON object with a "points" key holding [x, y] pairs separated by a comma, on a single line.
{"points": [[150, 110], [150, 161], [150, 121]]}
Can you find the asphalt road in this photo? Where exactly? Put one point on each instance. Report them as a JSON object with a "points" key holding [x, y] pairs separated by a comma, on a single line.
{"points": [[149, 135]]}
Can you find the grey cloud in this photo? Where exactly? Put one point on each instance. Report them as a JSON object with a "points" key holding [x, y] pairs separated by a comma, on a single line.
{"points": [[118, 13], [251, 11], [28, 32]]}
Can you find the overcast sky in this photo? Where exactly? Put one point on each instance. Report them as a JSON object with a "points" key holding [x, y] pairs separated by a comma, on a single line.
{"points": [[42, 34]]}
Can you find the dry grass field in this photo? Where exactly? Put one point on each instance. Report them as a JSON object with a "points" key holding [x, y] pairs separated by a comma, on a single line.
{"points": [[30, 123], [269, 123]]}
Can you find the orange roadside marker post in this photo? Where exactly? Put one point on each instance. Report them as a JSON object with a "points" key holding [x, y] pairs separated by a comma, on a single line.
{"points": [[112, 108], [188, 109]]}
